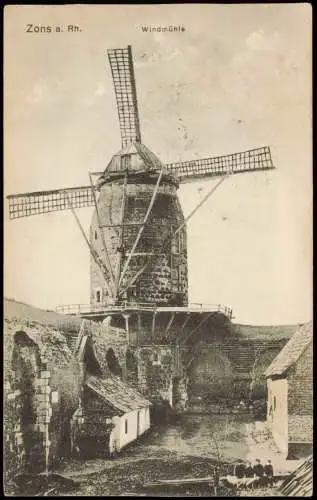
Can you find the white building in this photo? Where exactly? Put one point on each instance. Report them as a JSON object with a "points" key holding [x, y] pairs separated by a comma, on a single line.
{"points": [[290, 393], [128, 410]]}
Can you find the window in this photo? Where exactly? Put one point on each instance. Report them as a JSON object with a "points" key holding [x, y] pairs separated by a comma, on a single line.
{"points": [[274, 403], [126, 426], [156, 360], [125, 161], [175, 279], [98, 296], [96, 235], [176, 244]]}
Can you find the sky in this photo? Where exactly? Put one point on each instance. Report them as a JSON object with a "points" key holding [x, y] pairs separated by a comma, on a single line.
{"points": [[238, 77]]}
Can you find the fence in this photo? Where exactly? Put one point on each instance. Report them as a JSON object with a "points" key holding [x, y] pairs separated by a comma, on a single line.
{"points": [[79, 309]]}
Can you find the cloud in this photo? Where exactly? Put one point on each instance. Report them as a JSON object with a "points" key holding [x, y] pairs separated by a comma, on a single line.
{"points": [[259, 41], [44, 90]]}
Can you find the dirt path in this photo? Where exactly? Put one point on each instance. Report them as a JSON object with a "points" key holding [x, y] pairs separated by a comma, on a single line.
{"points": [[261, 445]]}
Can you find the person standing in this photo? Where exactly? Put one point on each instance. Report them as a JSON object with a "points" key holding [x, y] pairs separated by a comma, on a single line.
{"points": [[269, 473], [239, 469], [258, 470], [249, 475], [248, 470]]}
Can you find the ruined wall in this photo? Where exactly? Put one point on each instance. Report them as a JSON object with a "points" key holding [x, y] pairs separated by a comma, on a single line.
{"points": [[231, 371], [105, 338], [43, 388], [156, 370], [165, 279]]}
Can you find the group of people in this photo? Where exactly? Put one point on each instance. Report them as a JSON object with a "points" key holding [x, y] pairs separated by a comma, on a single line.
{"points": [[246, 475]]}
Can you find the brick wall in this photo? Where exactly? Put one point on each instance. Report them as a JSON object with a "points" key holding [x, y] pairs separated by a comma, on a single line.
{"points": [[300, 383], [300, 428], [226, 370]]}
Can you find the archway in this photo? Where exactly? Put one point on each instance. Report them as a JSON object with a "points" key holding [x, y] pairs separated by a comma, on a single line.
{"points": [[25, 364], [113, 363], [179, 394]]}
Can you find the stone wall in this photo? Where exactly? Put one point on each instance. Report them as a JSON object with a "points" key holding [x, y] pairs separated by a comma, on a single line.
{"points": [[300, 398], [300, 383], [106, 337], [232, 371], [156, 371], [43, 389], [165, 279]]}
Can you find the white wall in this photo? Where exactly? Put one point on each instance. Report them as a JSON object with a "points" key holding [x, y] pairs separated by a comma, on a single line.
{"points": [[119, 437], [278, 417]]}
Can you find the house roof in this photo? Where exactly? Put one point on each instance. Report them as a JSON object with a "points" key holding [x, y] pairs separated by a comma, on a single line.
{"points": [[291, 351], [115, 393], [300, 482]]}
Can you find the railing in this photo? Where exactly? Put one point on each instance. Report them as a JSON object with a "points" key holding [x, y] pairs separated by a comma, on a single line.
{"points": [[79, 309]]}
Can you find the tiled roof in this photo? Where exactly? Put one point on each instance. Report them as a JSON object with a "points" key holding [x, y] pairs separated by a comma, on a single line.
{"points": [[117, 394], [300, 482], [291, 351]]}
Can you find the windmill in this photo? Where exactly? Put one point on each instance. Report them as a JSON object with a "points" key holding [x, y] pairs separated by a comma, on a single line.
{"points": [[137, 238]]}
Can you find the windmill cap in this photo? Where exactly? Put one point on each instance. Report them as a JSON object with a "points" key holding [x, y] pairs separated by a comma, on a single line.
{"points": [[136, 158]]}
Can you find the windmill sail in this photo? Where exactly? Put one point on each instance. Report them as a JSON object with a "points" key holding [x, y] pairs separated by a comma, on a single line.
{"points": [[121, 64], [42, 202], [246, 161]]}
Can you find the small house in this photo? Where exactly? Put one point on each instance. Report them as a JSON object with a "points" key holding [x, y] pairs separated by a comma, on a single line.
{"points": [[290, 394], [124, 411], [111, 414]]}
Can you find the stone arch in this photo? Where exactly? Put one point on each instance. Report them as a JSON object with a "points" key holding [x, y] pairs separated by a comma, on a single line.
{"points": [[179, 393], [26, 366], [211, 375], [113, 363], [91, 364], [262, 362]]}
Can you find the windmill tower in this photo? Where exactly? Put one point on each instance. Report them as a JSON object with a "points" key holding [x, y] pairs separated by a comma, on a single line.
{"points": [[137, 238]]}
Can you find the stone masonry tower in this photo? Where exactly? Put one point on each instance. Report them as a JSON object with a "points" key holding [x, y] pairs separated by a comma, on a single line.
{"points": [[137, 214]]}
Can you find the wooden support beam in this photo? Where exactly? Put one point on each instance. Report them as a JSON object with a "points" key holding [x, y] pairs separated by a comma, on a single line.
{"points": [[133, 279], [205, 198], [194, 353], [169, 324], [110, 210], [168, 239], [139, 322], [126, 265], [153, 326], [188, 316], [204, 320], [108, 265], [128, 224], [94, 254], [127, 328], [122, 208]]}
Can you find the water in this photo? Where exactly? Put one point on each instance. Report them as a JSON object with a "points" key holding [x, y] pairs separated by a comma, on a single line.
{"points": [[222, 437]]}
